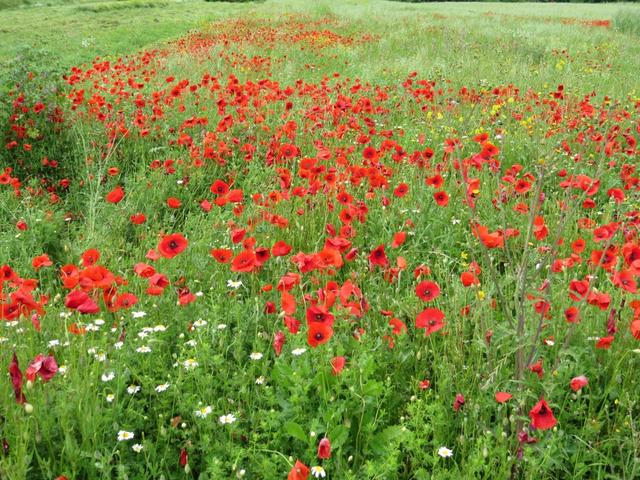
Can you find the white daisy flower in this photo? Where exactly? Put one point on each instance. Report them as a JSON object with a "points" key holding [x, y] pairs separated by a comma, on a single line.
{"points": [[260, 380], [53, 343], [227, 419], [444, 452], [163, 387], [199, 323], [123, 435], [118, 345], [203, 412], [138, 314], [298, 351], [318, 472], [143, 349], [256, 356], [234, 284], [110, 397], [222, 326], [191, 343], [108, 376], [136, 447], [159, 328], [133, 389], [190, 364]]}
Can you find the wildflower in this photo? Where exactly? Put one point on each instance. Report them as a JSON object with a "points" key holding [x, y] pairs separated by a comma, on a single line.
{"points": [[227, 419], [133, 389], [324, 448], [203, 412], [541, 416], [172, 245], [199, 323], [143, 349], [444, 452], [163, 387], [577, 383], [260, 380], [234, 284], [502, 397], [298, 351], [136, 447], [138, 314], [298, 472], [256, 356], [107, 377], [190, 364], [318, 472], [123, 435], [110, 397]]}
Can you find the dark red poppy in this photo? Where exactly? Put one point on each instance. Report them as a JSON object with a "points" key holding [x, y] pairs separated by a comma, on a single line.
{"points": [[172, 245], [541, 416], [427, 291], [318, 333], [431, 319], [324, 449]]}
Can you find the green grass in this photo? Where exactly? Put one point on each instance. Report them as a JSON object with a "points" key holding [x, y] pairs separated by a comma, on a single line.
{"points": [[335, 79]]}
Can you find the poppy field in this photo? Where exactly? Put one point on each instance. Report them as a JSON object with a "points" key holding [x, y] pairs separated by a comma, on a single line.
{"points": [[342, 240]]}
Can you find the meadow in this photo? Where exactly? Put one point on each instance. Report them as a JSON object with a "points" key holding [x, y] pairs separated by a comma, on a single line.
{"points": [[336, 239]]}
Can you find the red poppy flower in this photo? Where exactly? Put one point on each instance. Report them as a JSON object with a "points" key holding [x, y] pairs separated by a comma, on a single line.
{"points": [[427, 290], [173, 202], [138, 218], [502, 397], [458, 402], [541, 416], [441, 198], [577, 383], [298, 472], [172, 245], [401, 190], [318, 333], [468, 279], [90, 257], [317, 314], [245, 261], [222, 255], [16, 379], [45, 367], [572, 315], [399, 239], [337, 365], [115, 195], [41, 261], [219, 187], [605, 342], [280, 249], [537, 369], [279, 340], [431, 319], [81, 301], [378, 257], [324, 449]]}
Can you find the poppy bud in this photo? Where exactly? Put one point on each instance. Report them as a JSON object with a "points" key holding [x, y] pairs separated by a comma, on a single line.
{"points": [[184, 458], [324, 448]]}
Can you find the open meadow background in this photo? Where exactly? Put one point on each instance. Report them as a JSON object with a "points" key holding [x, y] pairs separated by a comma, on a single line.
{"points": [[331, 239]]}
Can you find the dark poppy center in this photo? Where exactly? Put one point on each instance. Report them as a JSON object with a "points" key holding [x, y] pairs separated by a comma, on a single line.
{"points": [[318, 336], [173, 244]]}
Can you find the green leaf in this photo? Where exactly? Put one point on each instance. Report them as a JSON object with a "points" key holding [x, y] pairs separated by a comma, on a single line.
{"points": [[338, 436], [295, 431]]}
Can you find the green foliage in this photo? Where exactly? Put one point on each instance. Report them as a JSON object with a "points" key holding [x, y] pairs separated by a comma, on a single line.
{"points": [[627, 21]]}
